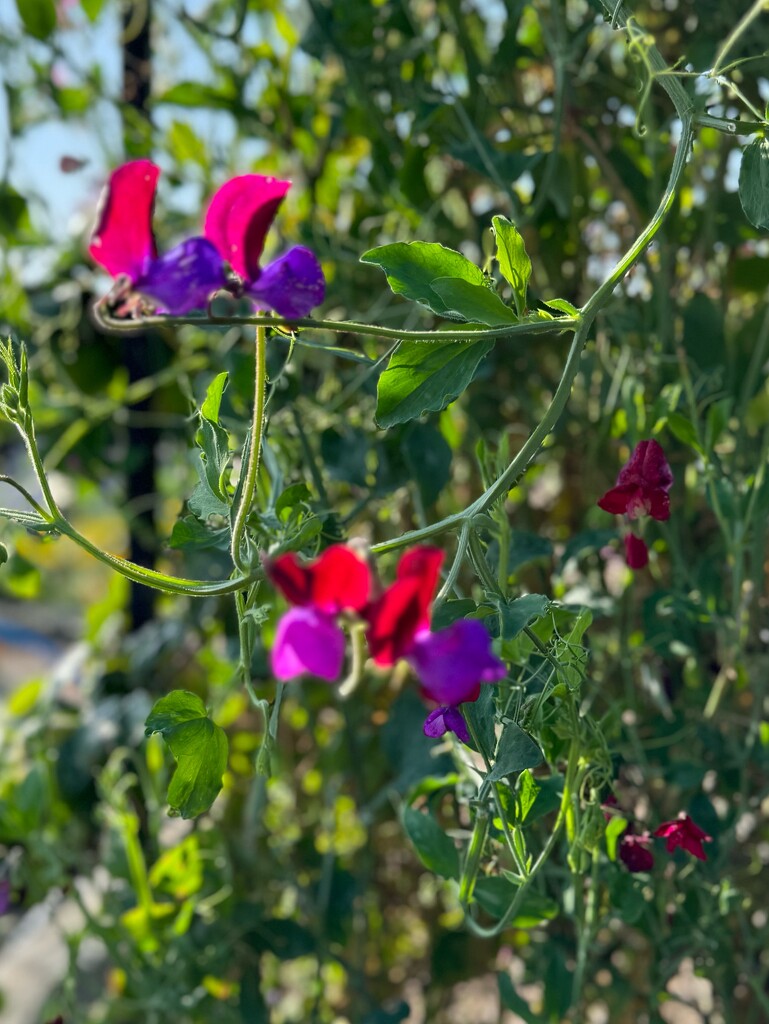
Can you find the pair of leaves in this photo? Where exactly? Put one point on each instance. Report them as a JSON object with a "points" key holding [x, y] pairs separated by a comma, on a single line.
{"points": [[210, 496], [199, 747], [424, 377]]}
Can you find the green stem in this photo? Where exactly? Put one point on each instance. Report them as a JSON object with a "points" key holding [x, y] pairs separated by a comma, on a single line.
{"points": [[466, 333], [252, 469], [25, 494]]}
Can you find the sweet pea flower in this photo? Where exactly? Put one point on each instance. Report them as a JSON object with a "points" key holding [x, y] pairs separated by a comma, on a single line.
{"points": [[450, 664], [446, 719], [636, 551], [308, 637], [184, 278], [642, 485], [634, 851], [684, 833]]}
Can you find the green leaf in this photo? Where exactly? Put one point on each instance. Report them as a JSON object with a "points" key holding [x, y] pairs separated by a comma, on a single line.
{"points": [[447, 612], [473, 302], [294, 494], [38, 17], [754, 183], [412, 267], [426, 377], [13, 210], [512, 1001], [212, 403], [184, 144], [428, 458], [196, 94], [526, 547], [513, 260], [526, 794], [516, 615], [481, 714], [495, 895], [434, 848], [192, 534], [199, 747], [684, 430], [92, 8], [563, 306], [516, 751]]}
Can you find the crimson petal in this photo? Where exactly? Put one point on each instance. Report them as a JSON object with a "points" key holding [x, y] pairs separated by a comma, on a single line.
{"points": [[122, 241], [337, 580], [239, 217]]}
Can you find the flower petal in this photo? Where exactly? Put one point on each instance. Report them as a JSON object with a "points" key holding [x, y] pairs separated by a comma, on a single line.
{"points": [[184, 278], [403, 610], [452, 663], [239, 216], [446, 719], [122, 241], [307, 641], [634, 852], [618, 500], [636, 551], [292, 285], [684, 833], [338, 580], [647, 464]]}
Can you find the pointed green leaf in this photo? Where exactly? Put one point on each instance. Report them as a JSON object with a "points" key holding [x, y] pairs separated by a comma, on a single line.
{"points": [[434, 848], [754, 183], [516, 751], [209, 410], [199, 747], [516, 615], [38, 17], [513, 260], [412, 267], [426, 377], [473, 302]]}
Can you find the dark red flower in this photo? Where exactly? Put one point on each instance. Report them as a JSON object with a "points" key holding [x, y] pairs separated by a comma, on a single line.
{"points": [[684, 833], [634, 851], [642, 485], [636, 551]]}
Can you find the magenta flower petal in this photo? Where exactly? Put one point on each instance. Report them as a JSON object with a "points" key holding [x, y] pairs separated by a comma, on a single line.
{"points": [[122, 241], [684, 833], [184, 278], [446, 719], [452, 663], [642, 485], [292, 285], [307, 641], [239, 217], [636, 551]]}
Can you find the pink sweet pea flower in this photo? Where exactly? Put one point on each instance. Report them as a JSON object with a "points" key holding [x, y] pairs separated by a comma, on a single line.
{"points": [[634, 851], [450, 664], [636, 551], [308, 637], [184, 278], [642, 485], [684, 833]]}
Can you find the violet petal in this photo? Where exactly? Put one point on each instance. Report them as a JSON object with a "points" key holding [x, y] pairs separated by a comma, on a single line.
{"points": [[291, 285], [184, 278], [452, 663], [307, 641]]}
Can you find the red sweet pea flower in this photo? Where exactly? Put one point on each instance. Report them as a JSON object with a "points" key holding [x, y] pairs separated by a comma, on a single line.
{"points": [[634, 851], [642, 485], [636, 551], [308, 637], [684, 833]]}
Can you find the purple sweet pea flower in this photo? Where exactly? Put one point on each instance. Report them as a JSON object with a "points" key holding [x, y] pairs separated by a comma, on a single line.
{"points": [[186, 277], [446, 719], [452, 663]]}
